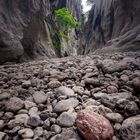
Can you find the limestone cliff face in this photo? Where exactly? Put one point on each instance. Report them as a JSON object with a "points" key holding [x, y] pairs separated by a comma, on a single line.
{"points": [[112, 23], [27, 28]]}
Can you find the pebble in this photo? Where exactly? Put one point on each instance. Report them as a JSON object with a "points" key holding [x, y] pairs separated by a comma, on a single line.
{"points": [[66, 119], [40, 97], [26, 84], [64, 91], [14, 104], [56, 128], [29, 104], [112, 89], [33, 121], [26, 133], [114, 117], [65, 105], [33, 111], [38, 131], [4, 96]]}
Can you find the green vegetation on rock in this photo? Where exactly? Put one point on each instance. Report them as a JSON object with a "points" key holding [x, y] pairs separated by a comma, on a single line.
{"points": [[65, 22]]}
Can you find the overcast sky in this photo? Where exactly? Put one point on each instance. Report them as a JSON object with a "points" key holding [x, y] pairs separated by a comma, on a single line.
{"points": [[85, 6]]}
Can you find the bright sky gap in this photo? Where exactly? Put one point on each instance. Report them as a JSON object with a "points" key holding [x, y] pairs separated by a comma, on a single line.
{"points": [[86, 7]]}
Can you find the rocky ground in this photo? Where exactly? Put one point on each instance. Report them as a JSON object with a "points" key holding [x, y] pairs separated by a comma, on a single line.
{"points": [[41, 100]]}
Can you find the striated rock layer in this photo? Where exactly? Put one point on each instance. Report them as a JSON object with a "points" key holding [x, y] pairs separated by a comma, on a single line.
{"points": [[27, 28], [112, 23]]}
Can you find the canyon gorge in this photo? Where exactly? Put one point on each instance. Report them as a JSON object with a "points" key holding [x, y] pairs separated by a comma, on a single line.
{"points": [[84, 86]]}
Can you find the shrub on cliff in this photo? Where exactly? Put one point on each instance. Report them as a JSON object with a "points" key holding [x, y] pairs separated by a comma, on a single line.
{"points": [[65, 19], [65, 22]]}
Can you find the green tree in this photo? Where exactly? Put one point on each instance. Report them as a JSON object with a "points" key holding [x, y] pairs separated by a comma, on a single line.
{"points": [[65, 22]]}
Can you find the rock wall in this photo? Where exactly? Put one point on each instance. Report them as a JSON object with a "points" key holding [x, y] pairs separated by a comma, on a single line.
{"points": [[27, 28], [112, 23]]}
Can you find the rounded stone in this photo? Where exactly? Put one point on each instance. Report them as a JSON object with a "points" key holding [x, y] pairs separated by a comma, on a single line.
{"points": [[33, 111], [54, 84], [38, 131], [40, 97], [4, 96], [29, 104], [65, 105], [112, 89], [34, 121], [14, 104], [64, 91], [130, 129], [136, 83], [78, 89], [99, 95], [124, 78], [56, 128], [131, 109], [26, 133], [26, 84], [66, 119], [94, 126], [114, 117]]}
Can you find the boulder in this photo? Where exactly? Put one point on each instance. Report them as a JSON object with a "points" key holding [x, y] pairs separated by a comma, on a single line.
{"points": [[94, 126], [130, 129]]}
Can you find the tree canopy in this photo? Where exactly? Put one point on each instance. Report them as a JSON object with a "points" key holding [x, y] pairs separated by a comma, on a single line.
{"points": [[65, 19]]}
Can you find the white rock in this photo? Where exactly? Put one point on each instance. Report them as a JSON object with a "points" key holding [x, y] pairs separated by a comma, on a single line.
{"points": [[65, 105], [26, 133], [64, 91], [40, 97]]}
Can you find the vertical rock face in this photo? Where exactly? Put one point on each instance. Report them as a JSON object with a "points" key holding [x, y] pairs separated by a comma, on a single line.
{"points": [[27, 28], [114, 23]]}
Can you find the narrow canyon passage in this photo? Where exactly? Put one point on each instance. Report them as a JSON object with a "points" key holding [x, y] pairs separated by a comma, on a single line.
{"points": [[93, 93]]}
